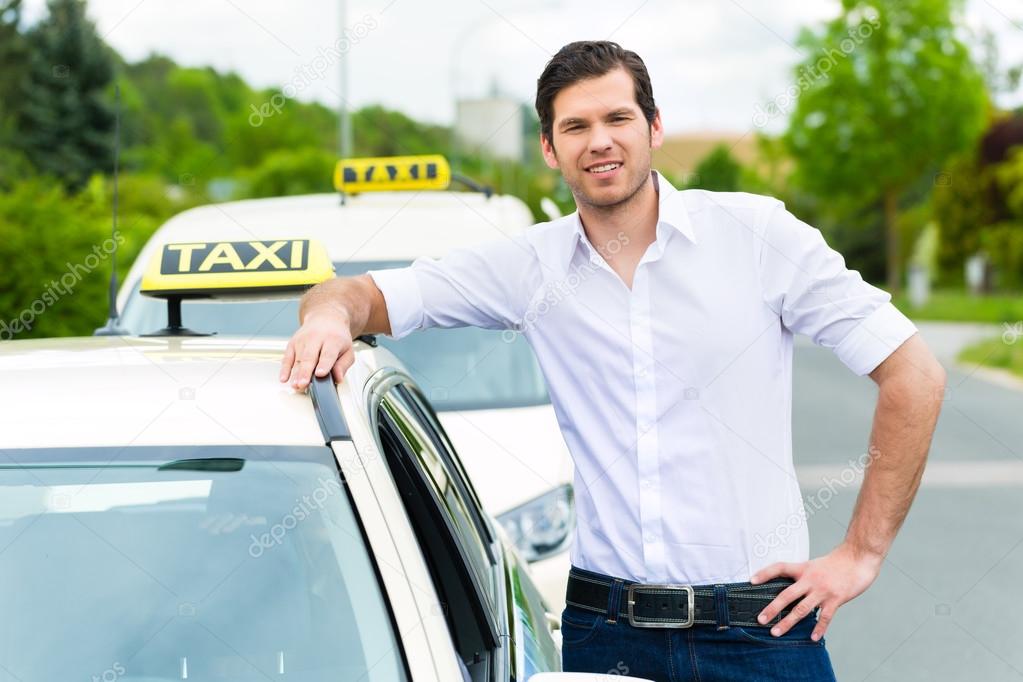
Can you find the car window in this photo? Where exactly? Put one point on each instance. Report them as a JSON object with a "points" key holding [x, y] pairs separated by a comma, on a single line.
{"points": [[445, 483], [455, 552], [458, 369], [169, 563], [444, 446]]}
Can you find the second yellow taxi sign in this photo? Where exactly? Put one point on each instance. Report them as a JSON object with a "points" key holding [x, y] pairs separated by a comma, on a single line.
{"points": [[392, 173]]}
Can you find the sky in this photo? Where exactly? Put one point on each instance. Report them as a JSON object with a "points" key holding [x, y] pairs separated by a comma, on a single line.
{"points": [[714, 64]]}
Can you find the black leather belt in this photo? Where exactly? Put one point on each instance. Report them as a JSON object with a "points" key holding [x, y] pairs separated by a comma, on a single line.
{"points": [[675, 606]]}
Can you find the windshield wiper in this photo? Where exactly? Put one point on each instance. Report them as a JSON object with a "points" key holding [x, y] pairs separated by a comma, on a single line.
{"points": [[205, 464]]}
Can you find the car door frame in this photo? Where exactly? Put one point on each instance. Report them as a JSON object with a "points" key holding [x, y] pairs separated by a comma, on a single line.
{"points": [[421, 632], [377, 387], [529, 627]]}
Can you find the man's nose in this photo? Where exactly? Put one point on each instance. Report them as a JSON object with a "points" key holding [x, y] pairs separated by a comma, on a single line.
{"points": [[600, 140]]}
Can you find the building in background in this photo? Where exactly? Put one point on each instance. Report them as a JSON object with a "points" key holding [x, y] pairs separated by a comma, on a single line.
{"points": [[492, 126]]}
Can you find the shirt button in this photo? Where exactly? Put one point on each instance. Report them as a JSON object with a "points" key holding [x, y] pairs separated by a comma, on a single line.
{"points": [[652, 537], [646, 484], [644, 426], [595, 260]]}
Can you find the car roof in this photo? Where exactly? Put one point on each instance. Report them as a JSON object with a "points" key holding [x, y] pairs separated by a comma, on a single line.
{"points": [[122, 391]]}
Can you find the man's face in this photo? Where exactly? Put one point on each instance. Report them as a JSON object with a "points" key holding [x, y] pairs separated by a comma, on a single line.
{"points": [[602, 142]]}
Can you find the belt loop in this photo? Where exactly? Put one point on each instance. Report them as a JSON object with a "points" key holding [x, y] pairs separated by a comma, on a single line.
{"points": [[721, 603], [613, 600]]}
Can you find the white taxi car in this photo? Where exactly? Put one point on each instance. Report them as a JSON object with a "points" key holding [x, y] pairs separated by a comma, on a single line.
{"points": [[486, 384], [170, 511]]}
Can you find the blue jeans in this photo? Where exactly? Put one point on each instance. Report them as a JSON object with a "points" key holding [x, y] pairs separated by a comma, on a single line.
{"points": [[700, 653]]}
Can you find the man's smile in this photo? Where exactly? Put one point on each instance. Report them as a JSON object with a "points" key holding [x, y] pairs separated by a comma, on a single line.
{"points": [[604, 169]]}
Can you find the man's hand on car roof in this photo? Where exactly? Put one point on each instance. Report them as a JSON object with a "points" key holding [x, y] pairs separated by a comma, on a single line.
{"points": [[322, 344]]}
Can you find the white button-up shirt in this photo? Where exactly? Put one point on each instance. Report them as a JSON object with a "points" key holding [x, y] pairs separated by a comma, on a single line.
{"points": [[674, 396]]}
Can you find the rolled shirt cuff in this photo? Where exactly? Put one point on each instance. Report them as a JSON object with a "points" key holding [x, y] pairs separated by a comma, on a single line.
{"points": [[403, 298], [875, 338]]}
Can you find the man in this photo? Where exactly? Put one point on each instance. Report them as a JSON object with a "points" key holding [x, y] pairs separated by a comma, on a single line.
{"points": [[663, 322]]}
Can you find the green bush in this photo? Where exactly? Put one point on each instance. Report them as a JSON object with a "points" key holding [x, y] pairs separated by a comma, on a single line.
{"points": [[1003, 243], [284, 173], [57, 247], [718, 171], [55, 250]]}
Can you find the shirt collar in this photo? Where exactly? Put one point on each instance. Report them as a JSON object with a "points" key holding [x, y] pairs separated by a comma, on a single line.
{"points": [[671, 212]]}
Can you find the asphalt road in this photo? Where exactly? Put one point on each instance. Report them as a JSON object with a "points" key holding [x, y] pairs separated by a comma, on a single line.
{"points": [[948, 602]]}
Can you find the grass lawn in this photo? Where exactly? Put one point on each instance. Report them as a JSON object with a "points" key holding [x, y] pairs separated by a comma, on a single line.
{"points": [[959, 306], [997, 353]]}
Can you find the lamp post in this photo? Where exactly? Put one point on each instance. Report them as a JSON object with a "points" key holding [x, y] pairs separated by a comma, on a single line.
{"points": [[344, 137]]}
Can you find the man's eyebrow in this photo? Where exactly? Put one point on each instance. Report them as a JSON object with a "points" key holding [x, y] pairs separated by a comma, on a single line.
{"points": [[624, 111], [621, 111], [564, 123]]}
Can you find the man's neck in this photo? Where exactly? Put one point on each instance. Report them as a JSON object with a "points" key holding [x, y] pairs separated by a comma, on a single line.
{"points": [[635, 219]]}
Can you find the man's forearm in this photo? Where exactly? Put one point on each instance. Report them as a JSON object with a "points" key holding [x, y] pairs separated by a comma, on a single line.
{"points": [[907, 412], [355, 298]]}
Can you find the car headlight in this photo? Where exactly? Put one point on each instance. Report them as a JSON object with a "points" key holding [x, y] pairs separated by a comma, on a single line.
{"points": [[543, 526]]}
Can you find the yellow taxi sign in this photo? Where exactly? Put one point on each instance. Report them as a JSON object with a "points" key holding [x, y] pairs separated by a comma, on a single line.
{"points": [[206, 268], [392, 173]]}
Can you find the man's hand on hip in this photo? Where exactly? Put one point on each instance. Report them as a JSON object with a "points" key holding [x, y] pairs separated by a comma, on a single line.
{"points": [[828, 581], [323, 343]]}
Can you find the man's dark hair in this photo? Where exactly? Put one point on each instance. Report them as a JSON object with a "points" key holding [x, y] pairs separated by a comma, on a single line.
{"points": [[589, 59]]}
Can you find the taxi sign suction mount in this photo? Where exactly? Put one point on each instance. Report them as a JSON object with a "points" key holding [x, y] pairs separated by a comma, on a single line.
{"points": [[229, 269]]}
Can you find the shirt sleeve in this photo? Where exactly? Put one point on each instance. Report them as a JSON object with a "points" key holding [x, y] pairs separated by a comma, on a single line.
{"points": [[808, 285], [486, 286]]}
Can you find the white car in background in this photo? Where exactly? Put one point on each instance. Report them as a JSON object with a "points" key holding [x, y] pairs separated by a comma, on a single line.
{"points": [[487, 387]]}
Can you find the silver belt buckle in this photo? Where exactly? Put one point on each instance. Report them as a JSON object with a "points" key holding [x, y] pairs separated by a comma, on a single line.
{"points": [[690, 597]]}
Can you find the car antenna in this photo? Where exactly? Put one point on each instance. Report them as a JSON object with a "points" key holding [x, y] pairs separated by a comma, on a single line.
{"points": [[113, 327]]}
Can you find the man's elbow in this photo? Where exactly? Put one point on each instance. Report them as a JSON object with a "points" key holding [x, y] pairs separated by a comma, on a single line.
{"points": [[912, 367]]}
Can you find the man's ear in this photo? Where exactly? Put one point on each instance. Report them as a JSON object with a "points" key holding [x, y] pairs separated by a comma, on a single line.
{"points": [[656, 131], [550, 157]]}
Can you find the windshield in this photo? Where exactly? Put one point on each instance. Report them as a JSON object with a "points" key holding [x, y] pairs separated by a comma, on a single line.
{"points": [[169, 563], [458, 369]]}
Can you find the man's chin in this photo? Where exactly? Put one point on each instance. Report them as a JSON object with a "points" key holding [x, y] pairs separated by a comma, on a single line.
{"points": [[608, 198]]}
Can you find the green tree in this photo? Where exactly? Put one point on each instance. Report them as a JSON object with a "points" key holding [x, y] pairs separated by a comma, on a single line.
{"points": [[13, 60], [718, 171], [885, 95], [963, 204], [1003, 241], [13, 56], [65, 124], [382, 132]]}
